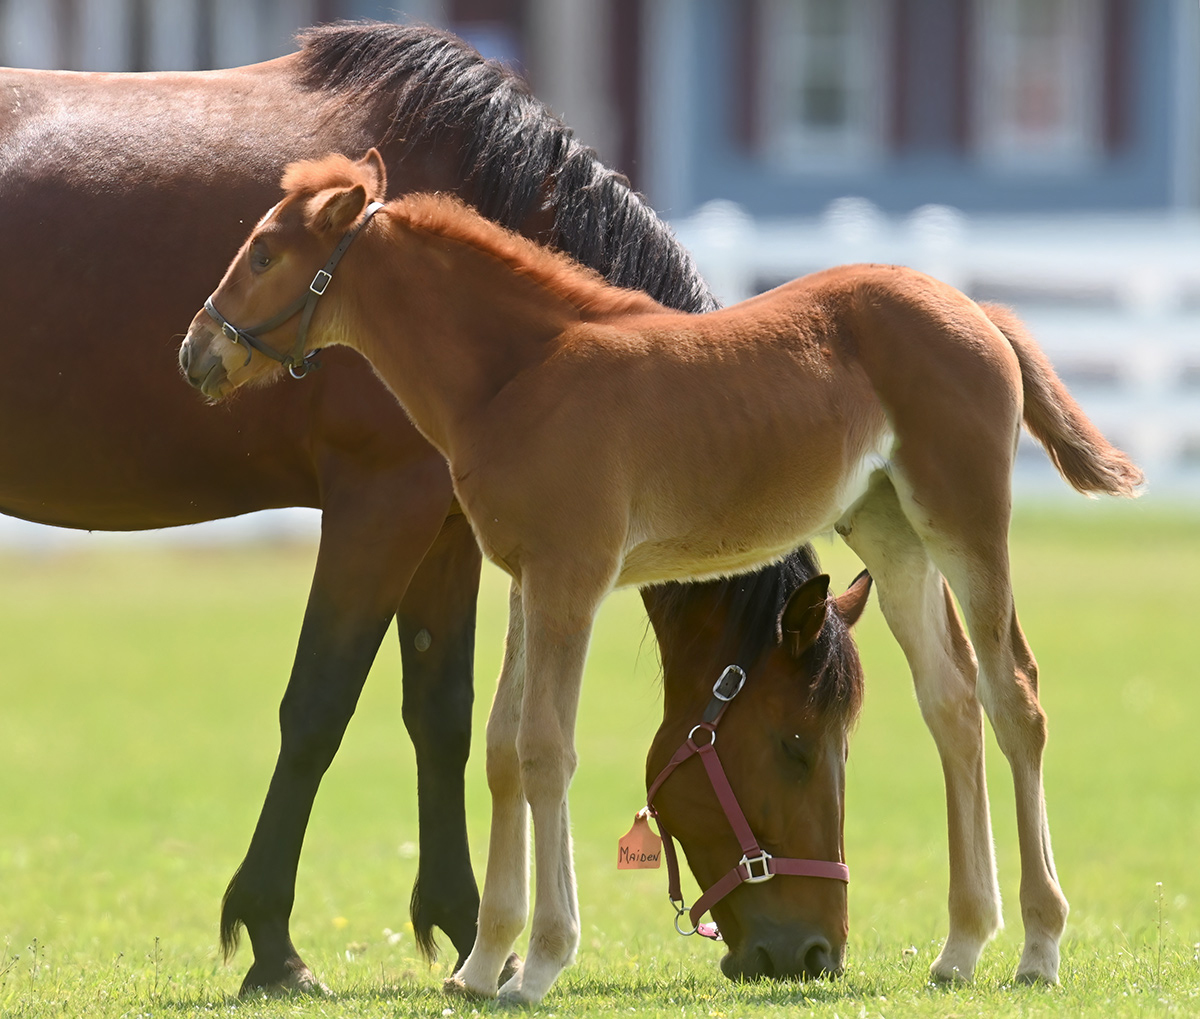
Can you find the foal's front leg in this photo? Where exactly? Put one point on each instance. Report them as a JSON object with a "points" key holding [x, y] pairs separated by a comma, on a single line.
{"points": [[556, 648], [505, 903]]}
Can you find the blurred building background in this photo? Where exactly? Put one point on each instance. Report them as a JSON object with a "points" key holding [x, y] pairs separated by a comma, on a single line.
{"points": [[1041, 152]]}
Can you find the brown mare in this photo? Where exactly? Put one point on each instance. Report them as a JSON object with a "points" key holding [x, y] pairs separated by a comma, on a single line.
{"points": [[597, 439], [108, 184]]}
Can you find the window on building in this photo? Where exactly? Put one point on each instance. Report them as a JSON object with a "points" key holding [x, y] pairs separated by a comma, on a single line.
{"points": [[822, 81], [1039, 95]]}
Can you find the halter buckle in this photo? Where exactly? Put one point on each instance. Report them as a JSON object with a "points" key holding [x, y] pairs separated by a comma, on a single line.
{"points": [[320, 282], [763, 860], [724, 688]]}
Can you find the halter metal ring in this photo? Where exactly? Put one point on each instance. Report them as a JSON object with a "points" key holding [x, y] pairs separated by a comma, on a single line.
{"points": [[712, 733], [680, 910]]}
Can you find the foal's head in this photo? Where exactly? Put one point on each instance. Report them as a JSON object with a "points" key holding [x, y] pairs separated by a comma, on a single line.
{"points": [[782, 742], [255, 324]]}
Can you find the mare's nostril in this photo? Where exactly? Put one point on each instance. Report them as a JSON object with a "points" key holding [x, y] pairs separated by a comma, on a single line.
{"points": [[818, 959], [765, 964]]}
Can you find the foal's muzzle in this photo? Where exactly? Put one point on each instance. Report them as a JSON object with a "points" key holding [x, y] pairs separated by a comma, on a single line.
{"points": [[205, 372]]}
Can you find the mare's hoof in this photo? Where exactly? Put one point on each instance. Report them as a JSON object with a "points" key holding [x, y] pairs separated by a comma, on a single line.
{"points": [[292, 978]]}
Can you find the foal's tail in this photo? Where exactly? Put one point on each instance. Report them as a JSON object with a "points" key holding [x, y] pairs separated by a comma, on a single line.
{"points": [[1089, 462]]}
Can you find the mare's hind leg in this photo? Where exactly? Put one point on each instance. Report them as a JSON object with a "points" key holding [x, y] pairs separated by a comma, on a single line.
{"points": [[918, 609], [436, 626], [504, 907], [966, 534]]}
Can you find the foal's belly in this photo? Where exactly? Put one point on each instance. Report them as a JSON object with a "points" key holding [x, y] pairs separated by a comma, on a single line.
{"points": [[653, 562], [753, 533]]}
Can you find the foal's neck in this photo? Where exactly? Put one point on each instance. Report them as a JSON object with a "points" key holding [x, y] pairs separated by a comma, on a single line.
{"points": [[448, 325]]}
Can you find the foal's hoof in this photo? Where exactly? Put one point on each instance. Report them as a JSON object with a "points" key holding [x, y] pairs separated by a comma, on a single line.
{"points": [[511, 968], [948, 975], [293, 978], [456, 987], [1034, 978], [1039, 964]]}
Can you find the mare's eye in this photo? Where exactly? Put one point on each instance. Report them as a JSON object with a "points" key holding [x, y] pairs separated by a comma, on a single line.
{"points": [[795, 750]]}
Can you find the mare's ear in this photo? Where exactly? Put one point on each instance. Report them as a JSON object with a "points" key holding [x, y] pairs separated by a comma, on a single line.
{"points": [[804, 614], [334, 211], [851, 604], [372, 163]]}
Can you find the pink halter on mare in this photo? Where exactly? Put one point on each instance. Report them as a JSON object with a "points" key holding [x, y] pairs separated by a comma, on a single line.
{"points": [[756, 864]]}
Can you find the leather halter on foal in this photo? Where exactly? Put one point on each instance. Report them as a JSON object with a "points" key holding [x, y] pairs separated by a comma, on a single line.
{"points": [[297, 361], [756, 864]]}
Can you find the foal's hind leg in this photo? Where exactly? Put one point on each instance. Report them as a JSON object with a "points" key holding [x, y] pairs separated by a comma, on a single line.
{"points": [[917, 606], [967, 537], [504, 907]]}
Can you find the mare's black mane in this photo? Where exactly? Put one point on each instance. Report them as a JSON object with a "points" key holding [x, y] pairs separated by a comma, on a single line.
{"points": [[755, 603], [516, 157]]}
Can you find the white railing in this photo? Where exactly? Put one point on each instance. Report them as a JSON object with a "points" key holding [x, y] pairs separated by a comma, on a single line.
{"points": [[1113, 299]]}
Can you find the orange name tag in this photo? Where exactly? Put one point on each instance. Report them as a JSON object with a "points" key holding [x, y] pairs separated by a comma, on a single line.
{"points": [[639, 848]]}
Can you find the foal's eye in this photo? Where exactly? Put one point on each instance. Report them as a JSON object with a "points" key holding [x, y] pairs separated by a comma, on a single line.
{"points": [[259, 258]]}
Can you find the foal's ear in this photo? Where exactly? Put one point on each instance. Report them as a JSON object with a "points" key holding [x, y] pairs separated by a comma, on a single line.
{"points": [[372, 163], [335, 210], [804, 614], [851, 604]]}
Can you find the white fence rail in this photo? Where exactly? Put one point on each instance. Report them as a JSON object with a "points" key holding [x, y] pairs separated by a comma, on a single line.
{"points": [[1113, 299]]}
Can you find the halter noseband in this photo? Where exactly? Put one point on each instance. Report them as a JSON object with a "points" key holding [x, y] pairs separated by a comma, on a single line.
{"points": [[756, 864], [297, 361]]}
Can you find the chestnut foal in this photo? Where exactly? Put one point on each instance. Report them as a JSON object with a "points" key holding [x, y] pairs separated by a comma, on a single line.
{"points": [[597, 439]]}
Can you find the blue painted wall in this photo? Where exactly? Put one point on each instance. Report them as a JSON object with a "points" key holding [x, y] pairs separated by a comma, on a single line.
{"points": [[715, 166]]}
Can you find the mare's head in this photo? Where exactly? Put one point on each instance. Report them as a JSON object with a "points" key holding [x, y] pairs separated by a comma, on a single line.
{"points": [[782, 741], [264, 316]]}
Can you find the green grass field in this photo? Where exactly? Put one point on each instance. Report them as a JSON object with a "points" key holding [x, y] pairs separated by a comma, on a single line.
{"points": [[138, 691]]}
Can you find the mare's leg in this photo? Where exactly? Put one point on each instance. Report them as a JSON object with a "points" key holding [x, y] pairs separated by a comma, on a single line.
{"points": [[558, 624], [966, 534], [374, 533], [917, 606], [504, 907], [436, 624]]}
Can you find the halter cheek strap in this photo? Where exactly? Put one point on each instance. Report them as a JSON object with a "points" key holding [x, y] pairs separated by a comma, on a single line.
{"points": [[756, 864], [297, 361]]}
